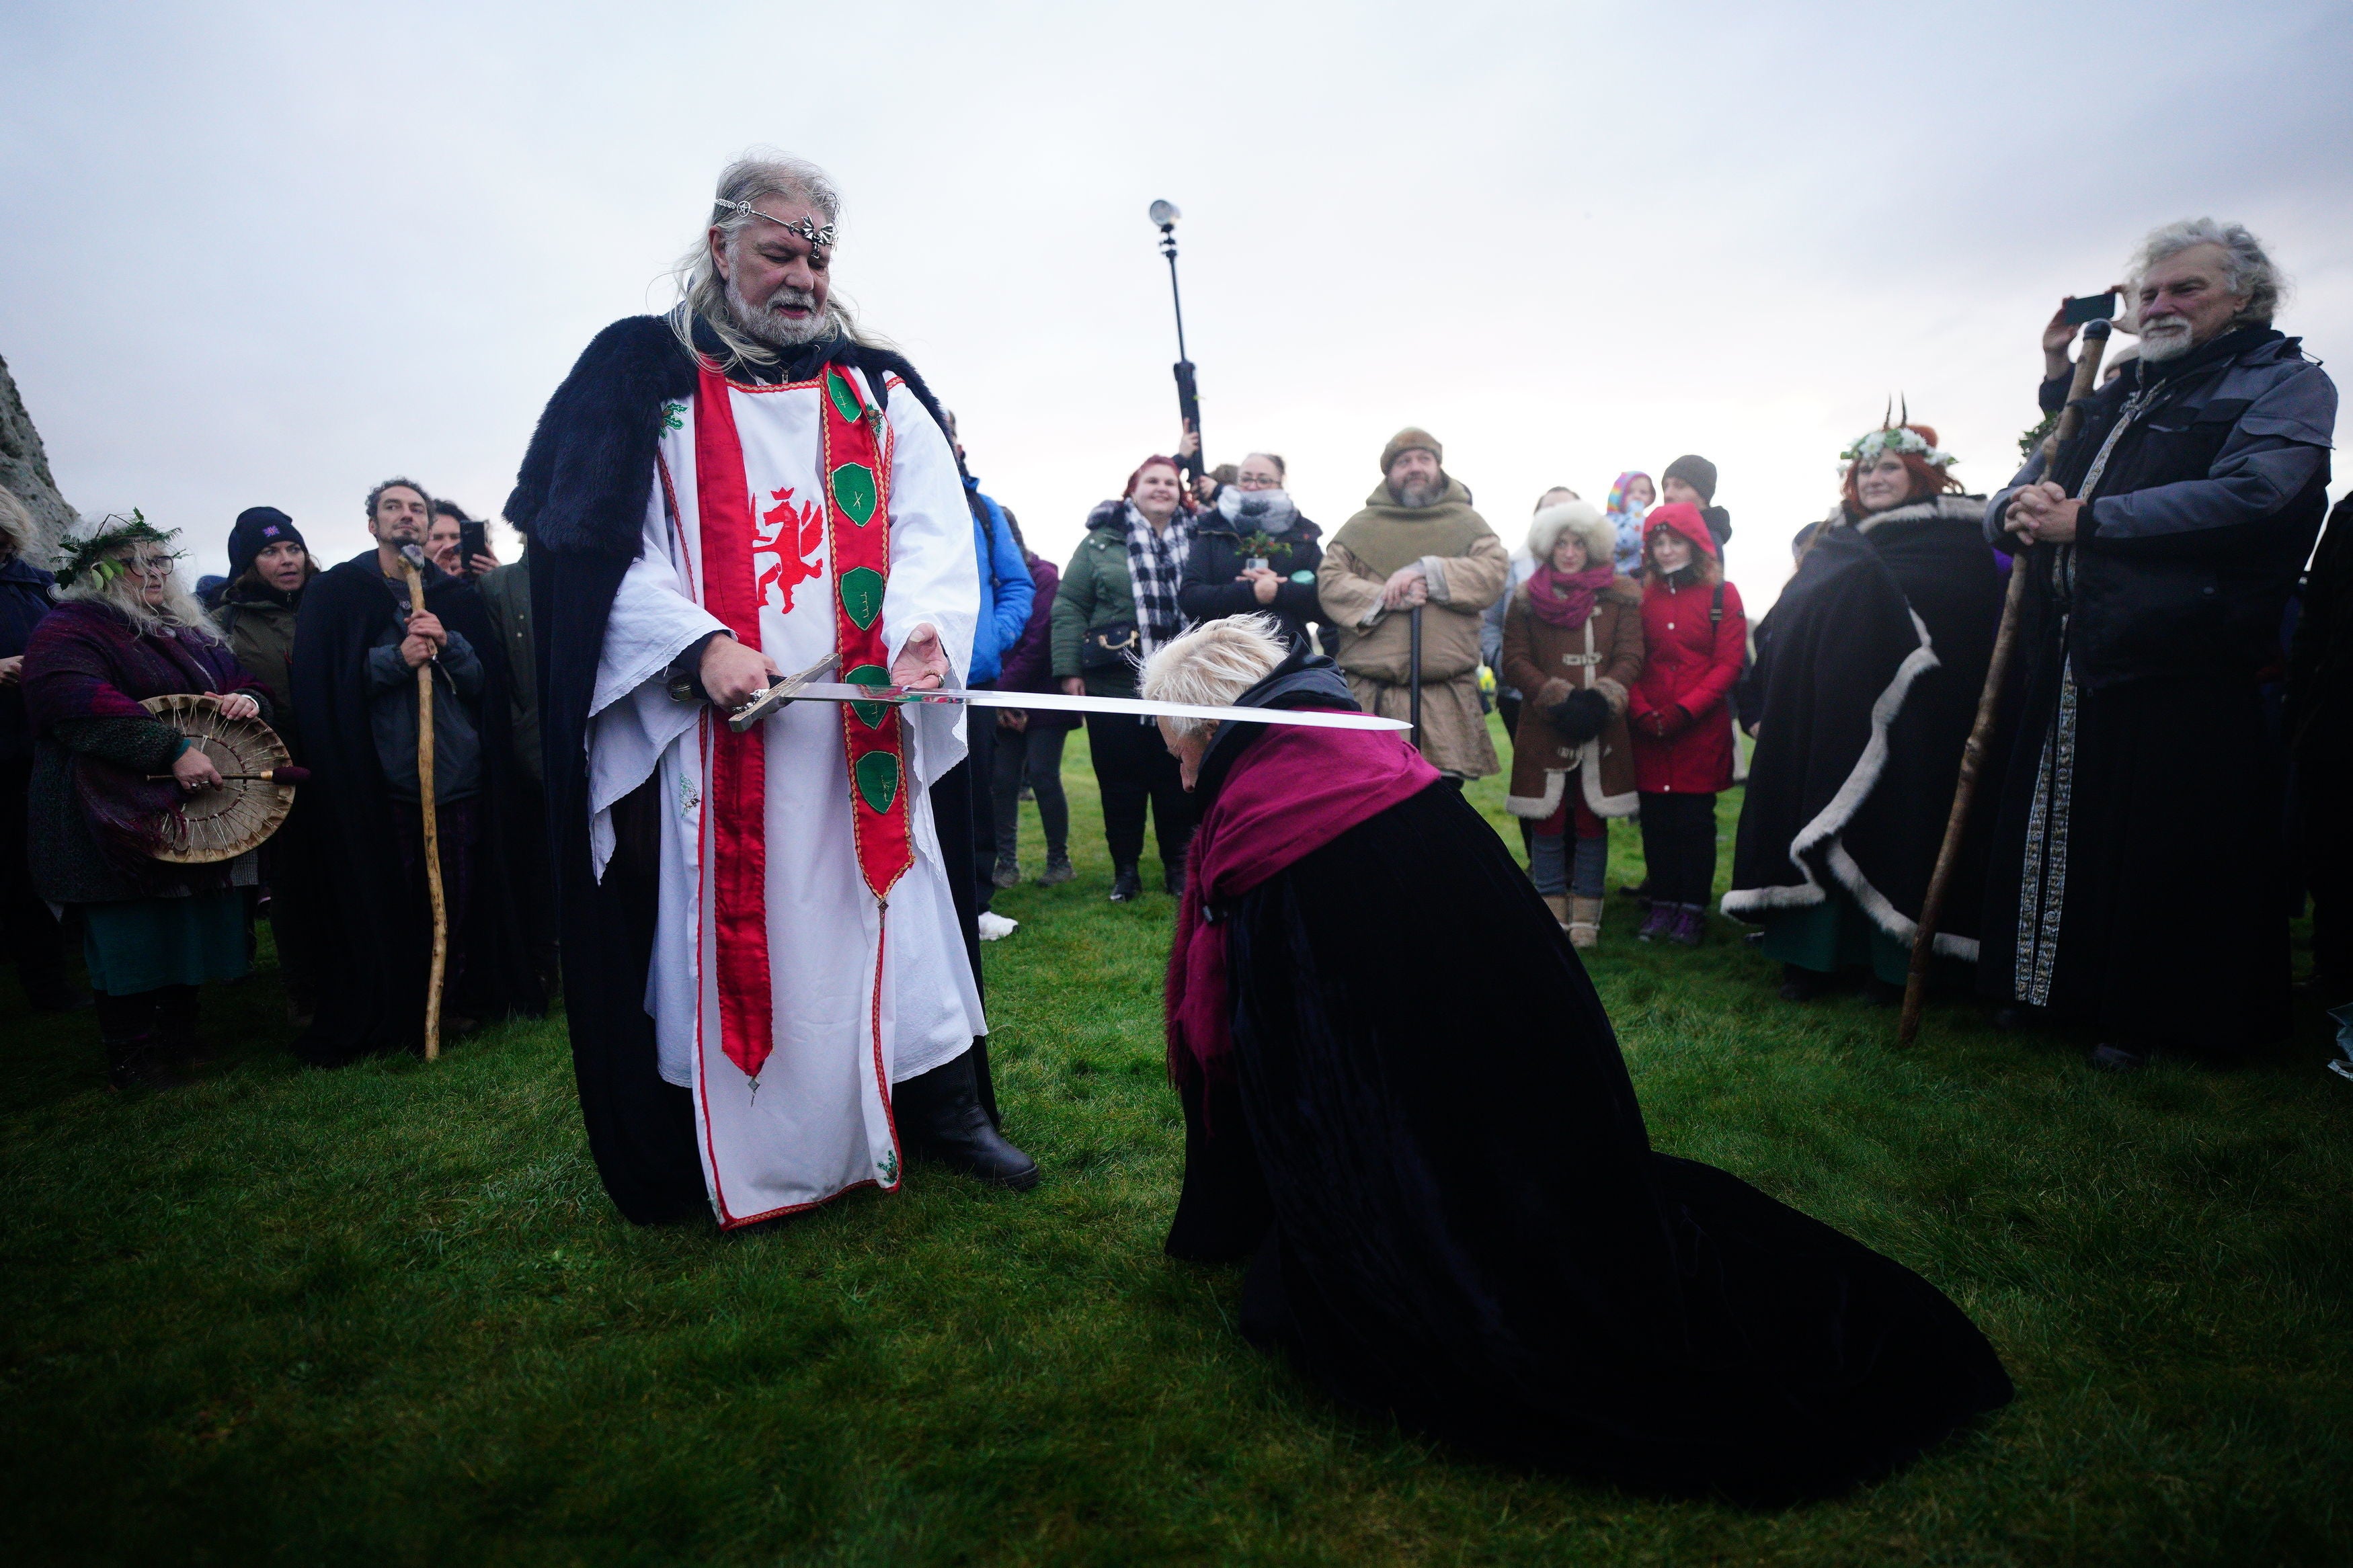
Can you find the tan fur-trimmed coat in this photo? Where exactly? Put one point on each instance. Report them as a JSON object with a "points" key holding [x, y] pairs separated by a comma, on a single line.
{"points": [[1547, 663]]}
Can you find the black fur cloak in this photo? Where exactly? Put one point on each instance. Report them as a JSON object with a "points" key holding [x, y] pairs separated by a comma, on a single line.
{"points": [[581, 499], [1871, 665], [376, 946]]}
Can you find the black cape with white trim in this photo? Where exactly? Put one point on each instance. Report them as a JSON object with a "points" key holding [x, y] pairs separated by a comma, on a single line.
{"points": [[1875, 657]]}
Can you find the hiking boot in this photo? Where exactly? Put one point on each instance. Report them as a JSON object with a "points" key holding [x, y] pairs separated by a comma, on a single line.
{"points": [[1126, 886], [1690, 925], [136, 1065], [1657, 923], [1171, 876], [1584, 923], [1058, 870], [1007, 873]]}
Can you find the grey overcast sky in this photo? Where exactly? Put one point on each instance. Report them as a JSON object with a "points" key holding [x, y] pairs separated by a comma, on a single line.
{"points": [[271, 253]]}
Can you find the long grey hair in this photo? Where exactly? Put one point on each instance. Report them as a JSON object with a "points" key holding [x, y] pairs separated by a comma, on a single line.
{"points": [[118, 591], [702, 291]]}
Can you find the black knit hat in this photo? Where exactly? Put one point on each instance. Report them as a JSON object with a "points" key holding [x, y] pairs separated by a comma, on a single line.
{"points": [[258, 528], [1695, 471]]}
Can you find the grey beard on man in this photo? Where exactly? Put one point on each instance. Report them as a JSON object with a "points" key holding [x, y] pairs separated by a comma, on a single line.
{"points": [[770, 325]]}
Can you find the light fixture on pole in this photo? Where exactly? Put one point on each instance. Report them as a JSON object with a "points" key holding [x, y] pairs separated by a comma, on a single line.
{"points": [[1188, 399]]}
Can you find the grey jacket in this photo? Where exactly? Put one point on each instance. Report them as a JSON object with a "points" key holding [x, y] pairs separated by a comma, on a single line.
{"points": [[2200, 515], [392, 712]]}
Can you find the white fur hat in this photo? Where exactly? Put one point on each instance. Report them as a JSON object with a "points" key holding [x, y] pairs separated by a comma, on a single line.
{"points": [[1580, 517]]}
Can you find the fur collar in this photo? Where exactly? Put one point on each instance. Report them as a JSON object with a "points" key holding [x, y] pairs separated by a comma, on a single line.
{"points": [[589, 471], [1942, 508]]}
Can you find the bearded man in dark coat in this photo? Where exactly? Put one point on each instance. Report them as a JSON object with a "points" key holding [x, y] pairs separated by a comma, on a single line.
{"points": [[771, 973], [2161, 544], [358, 643]]}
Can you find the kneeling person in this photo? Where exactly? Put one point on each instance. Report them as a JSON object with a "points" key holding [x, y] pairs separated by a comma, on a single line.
{"points": [[1453, 1210]]}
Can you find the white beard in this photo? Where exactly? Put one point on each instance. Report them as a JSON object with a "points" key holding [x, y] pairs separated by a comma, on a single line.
{"points": [[2167, 338], [1421, 495]]}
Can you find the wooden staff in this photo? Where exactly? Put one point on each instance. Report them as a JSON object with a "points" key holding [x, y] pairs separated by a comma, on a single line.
{"points": [[2005, 640], [410, 559]]}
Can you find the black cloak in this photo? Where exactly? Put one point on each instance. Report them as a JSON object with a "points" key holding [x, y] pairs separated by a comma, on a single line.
{"points": [[376, 949], [1871, 664], [580, 499], [1456, 1213]]}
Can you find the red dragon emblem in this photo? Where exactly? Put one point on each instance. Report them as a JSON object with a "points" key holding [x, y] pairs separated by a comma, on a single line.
{"points": [[785, 547]]}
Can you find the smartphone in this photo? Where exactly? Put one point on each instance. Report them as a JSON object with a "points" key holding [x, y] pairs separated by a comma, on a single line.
{"points": [[2091, 308], [473, 539]]}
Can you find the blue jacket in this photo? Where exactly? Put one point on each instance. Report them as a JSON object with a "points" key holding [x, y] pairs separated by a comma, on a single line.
{"points": [[24, 600], [1005, 590]]}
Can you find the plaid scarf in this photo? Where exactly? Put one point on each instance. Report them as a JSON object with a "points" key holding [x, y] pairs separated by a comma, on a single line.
{"points": [[1155, 565]]}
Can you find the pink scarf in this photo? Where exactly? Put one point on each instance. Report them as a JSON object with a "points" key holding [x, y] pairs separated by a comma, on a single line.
{"points": [[1565, 599], [1290, 792]]}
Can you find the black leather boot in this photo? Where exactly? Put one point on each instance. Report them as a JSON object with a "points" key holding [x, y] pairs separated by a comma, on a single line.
{"points": [[1126, 886], [940, 1117], [1172, 876], [127, 1026]]}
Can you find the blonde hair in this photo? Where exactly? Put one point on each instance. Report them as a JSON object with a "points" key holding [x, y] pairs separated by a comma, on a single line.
{"points": [[1212, 664], [16, 530], [118, 591]]}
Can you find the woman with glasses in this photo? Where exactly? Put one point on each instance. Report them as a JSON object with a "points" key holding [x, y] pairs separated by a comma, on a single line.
{"points": [[106, 773], [1254, 554]]}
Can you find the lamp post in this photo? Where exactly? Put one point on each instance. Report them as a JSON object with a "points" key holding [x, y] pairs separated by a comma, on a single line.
{"points": [[1188, 399]]}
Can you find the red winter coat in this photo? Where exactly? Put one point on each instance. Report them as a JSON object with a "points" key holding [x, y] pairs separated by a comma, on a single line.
{"points": [[1689, 668]]}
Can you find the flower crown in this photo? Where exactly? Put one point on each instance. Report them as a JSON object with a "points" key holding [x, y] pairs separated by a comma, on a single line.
{"points": [[94, 555], [1900, 439]]}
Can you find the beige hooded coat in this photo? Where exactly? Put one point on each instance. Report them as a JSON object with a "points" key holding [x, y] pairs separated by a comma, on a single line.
{"points": [[1466, 566]]}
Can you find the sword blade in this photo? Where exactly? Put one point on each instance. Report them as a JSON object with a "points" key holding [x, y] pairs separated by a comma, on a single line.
{"points": [[1311, 717]]}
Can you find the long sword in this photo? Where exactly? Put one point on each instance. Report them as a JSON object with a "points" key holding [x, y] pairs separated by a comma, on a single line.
{"points": [[801, 689]]}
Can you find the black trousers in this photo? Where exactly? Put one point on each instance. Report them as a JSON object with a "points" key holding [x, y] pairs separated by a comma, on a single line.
{"points": [[32, 934], [980, 763], [1034, 756], [1133, 768], [1679, 845]]}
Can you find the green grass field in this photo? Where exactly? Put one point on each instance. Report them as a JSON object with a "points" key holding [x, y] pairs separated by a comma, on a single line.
{"points": [[387, 1315]]}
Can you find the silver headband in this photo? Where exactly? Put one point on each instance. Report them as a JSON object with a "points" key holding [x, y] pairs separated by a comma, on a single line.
{"points": [[799, 226]]}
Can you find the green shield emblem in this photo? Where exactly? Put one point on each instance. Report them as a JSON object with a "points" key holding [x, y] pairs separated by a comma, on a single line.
{"points": [[861, 594], [853, 491], [870, 713], [878, 780], [844, 402]]}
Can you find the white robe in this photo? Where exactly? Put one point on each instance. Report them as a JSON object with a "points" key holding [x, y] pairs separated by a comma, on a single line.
{"points": [[817, 1119]]}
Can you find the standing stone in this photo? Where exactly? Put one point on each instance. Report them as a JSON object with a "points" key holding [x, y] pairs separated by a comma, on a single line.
{"points": [[25, 469]]}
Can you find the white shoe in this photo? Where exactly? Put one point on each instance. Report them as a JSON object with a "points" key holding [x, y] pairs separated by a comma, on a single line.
{"points": [[994, 925]]}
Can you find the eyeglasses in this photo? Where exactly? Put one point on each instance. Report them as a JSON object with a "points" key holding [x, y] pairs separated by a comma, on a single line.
{"points": [[149, 565]]}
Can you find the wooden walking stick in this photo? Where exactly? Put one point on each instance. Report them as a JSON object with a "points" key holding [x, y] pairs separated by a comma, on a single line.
{"points": [[2005, 640], [411, 557]]}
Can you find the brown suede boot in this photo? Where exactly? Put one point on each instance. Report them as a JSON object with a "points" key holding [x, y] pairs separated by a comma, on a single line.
{"points": [[1558, 905], [1585, 922]]}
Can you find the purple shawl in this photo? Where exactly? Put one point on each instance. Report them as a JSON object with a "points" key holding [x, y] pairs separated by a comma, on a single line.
{"points": [[86, 661], [1291, 793]]}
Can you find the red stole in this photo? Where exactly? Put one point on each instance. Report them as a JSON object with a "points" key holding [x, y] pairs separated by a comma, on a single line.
{"points": [[858, 536]]}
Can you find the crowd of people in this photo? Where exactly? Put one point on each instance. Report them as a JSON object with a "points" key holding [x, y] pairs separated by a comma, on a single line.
{"points": [[506, 766], [2162, 553]]}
